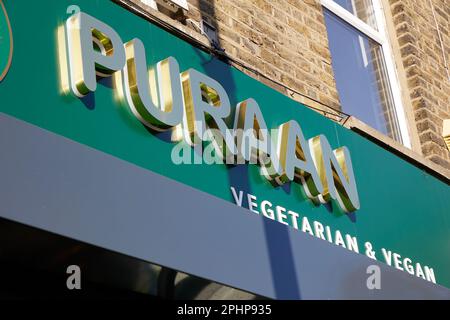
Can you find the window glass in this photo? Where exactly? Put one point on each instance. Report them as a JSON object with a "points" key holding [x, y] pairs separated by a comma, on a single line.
{"points": [[361, 79]]}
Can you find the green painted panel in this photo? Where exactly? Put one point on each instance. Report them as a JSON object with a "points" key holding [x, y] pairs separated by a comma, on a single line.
{"points": [[403, 208]]}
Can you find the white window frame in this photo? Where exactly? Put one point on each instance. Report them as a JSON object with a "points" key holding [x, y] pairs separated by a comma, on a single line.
{"points": [[381, 37]]}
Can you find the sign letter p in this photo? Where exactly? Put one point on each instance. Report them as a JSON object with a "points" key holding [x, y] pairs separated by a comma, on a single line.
{"points": [[94, 49]]}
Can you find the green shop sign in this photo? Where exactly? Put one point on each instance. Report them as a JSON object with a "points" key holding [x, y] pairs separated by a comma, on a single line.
{"points": [[103, 77]]}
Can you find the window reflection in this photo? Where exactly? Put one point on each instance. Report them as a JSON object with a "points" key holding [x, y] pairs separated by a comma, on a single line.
{"points": [[360, 74], [363, 9]]}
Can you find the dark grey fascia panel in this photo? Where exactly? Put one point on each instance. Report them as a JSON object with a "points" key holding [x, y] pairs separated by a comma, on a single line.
{"points": [[58, 185]]}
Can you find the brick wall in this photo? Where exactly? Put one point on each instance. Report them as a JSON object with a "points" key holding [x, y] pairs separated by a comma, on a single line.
{"points": [[428, 83], [283, 39]]}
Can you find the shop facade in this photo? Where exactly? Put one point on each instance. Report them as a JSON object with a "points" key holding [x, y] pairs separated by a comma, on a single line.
{"points": [[264, 159]]}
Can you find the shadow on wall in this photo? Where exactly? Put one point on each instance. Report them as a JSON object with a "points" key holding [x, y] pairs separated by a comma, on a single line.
{"points": [[283, 267], [176, 285]]}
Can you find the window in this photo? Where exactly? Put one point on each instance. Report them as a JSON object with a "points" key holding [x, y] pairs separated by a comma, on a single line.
{"points": [[363, 65]]}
